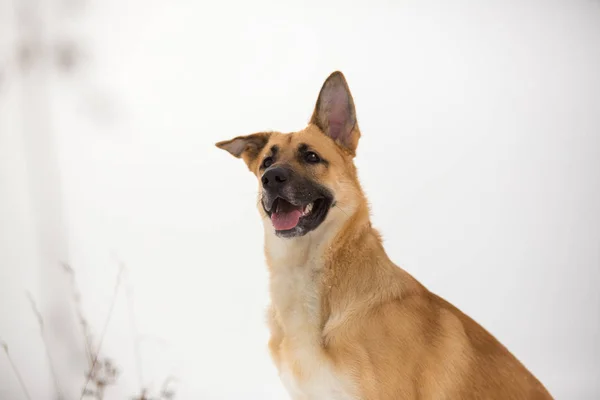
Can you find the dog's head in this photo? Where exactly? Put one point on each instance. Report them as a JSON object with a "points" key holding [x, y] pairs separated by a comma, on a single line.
{"points": [[304, 175]]}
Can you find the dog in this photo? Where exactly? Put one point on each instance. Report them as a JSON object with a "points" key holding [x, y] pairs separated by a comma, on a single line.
{"points": [[346, 323]]}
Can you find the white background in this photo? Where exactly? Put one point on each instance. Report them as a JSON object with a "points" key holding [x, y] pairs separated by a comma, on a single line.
{"points": [[480, 156]]}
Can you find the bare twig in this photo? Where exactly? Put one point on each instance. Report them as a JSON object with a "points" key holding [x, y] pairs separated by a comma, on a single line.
{"points": [[165, 392], [134, 332], [40, 321], [83, 323], [36, 312], [15, 370], [97, 352]]}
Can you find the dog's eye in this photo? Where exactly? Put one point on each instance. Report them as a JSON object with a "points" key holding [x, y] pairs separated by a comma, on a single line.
{"points": [[311, 157], [267, 162]]}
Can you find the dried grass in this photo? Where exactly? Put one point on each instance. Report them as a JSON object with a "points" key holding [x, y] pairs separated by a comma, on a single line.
{"points": [[102, 372]]}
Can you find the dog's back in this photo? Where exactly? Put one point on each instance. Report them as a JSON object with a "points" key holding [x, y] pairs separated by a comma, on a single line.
{"points": [[422, 347]]}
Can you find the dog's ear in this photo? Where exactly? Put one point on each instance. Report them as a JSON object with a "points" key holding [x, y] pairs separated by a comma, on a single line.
{"points": [[335, 114], [246, 147]]}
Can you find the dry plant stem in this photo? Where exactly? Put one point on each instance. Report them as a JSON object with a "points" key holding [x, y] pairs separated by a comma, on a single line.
{"points": [[87, 336], [165, 393], [134, 333], [40, 321], [15, 370], [97, 352]]}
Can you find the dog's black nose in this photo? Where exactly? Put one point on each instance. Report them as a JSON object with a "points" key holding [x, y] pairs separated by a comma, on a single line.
{"points": [[275, 178]]}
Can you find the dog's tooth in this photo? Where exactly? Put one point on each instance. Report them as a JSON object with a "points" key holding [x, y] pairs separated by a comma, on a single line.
{"points": [[308, 208]]}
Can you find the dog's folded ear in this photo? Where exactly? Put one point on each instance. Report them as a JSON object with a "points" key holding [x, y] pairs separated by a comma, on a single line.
{"points": [[246, 147], [335, 114]]}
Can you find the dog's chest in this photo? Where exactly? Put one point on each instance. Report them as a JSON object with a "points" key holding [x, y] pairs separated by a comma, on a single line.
{"points": [[304, 368], [310, 379]]}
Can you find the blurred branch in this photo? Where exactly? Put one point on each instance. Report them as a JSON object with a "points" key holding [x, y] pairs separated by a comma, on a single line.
{"points": [[15, 370], [134, 333], [109, 369], [51, 366], [62, 50], [166, 392], [83, 323]]}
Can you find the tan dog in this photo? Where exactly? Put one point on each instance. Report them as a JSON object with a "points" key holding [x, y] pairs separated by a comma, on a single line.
{"points": [[346, 322]]}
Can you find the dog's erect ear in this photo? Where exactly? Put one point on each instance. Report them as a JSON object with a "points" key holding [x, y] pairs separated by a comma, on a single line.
{"points": [[246, 147], [335, 114]]}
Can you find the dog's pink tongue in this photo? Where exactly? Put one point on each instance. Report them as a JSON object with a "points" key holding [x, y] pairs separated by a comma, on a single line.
{"points": [[284, 220]]}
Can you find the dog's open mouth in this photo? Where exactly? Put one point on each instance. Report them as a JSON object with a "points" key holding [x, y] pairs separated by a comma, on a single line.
{"points": [[286, 216]]}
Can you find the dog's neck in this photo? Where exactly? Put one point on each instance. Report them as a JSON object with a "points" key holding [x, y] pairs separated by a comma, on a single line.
{"points": [[302, 268], [323, 279]]}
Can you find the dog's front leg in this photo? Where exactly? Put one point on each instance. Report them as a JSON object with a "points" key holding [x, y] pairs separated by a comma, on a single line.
{"points": [[276, 336]]}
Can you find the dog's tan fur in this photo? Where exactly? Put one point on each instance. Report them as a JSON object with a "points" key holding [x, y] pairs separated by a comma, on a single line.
{"points": [[345, 321]]}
